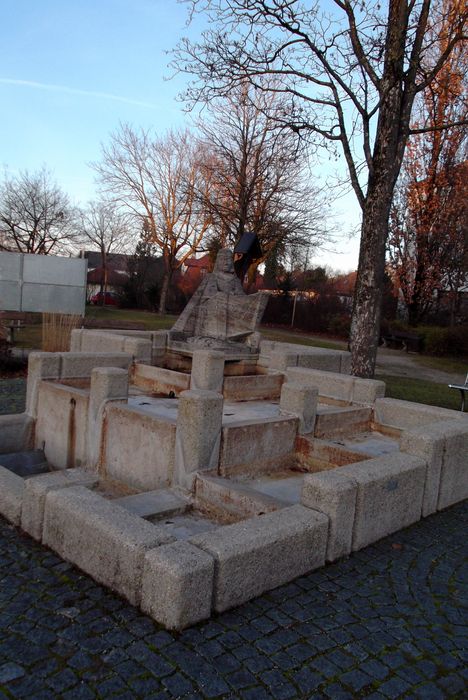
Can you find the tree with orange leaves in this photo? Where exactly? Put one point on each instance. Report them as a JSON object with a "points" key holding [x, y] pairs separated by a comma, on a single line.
{"points": [[428, 242]]}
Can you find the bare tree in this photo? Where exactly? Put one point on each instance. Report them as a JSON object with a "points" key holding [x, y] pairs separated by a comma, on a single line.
{"points": [[350, 73], [428, 242], [35, 214], [106, 228], [156, 181], [259, 181]]}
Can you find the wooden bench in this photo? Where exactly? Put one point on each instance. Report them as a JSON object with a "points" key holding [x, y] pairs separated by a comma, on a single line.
{"points": [[398, 340], [12, 321], [462, 388]]}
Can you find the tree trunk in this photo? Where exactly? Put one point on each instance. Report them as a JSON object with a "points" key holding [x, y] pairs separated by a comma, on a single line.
{"points": [[365, 324], [164, 291]]}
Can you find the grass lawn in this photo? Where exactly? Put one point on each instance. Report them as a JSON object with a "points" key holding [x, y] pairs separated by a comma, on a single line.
{"points": [[285, 336], [420, 391], [151, 320]]}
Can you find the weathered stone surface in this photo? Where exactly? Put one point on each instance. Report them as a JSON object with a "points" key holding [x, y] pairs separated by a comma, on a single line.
{"points": [[333, 493], [300, 401], [101, 538], [11, 495], [61, 426], [332, 384], [139, 348], [41, 365], [337, 386], [161, 502], [427, 442], [319, 359], [102, 341], [259, 554], [256, 387], [247, 446], [198, 434], [81, 364], [177, 585], [282, 360], [454, 473], [405, 414], [366, 391], [130, 432], [36, 490], [233, 497], [75, 339], [108, 384], [390, 492], [16, 433], [343, 421], [160, 380], [207, 370]]}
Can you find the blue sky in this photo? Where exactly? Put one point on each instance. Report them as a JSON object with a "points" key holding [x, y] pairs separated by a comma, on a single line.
{"points": [[71, 70]]}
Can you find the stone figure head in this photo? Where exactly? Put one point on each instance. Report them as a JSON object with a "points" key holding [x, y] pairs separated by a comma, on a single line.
{"points": [[224, 262]]}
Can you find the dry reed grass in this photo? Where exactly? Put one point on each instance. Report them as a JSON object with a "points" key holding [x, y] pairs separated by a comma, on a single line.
{"points": [[56, 331]]}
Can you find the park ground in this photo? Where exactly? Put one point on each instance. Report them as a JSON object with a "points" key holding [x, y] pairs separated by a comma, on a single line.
{"points": [[387, 622]]}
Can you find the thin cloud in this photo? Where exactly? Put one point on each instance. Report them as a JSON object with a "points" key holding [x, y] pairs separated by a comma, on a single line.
{"points": [[76, 91]]}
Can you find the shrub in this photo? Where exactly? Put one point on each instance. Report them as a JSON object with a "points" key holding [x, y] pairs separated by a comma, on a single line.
{"points": [[444, 341]]}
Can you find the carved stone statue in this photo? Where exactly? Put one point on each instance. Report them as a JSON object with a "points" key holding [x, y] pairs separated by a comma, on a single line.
{"points": [[220, 315]]}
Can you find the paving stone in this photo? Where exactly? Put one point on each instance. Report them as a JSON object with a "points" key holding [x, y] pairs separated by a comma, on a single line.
{"points": [[10, 672], [356, 679], [177, 684]]}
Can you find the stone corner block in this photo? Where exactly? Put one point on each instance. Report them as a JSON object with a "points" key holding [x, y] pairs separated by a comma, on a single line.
{"points": [[333, 493], [300, 401], [36, 490], [264, 552], [390, 492], [11, 495], [103, 539], [367, 391], [177, 585]]}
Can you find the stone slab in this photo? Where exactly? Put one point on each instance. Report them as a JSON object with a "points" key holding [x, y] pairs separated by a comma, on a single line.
{"points": [[26, 463], [16, 433], [36, 490], [406, 414], [264, 552], [138, 448], [11, 495], [454, 472], [150, 504], [177, 585], [101, 538], [81, 364], [333, 493], [390, 492], [249, 446], [427, 442]]}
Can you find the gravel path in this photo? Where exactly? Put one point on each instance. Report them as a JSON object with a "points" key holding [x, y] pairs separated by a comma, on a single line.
{"points": [[401, 364]]}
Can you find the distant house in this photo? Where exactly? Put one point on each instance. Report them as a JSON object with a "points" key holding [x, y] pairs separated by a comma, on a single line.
{"points": [[120, 269], [193, 271]]}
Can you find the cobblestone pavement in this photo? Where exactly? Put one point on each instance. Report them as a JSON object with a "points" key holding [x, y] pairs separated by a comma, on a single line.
{"points": [[386, 623]]}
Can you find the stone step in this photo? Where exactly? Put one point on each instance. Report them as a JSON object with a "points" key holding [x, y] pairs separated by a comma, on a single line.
{"points": [[154, 504], [25, 464], [334, 421]]}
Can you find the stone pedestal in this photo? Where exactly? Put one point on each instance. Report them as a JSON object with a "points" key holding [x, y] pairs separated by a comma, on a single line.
{"points": [[207, 370], [300, 401], [198, 434], [107, 384]]}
